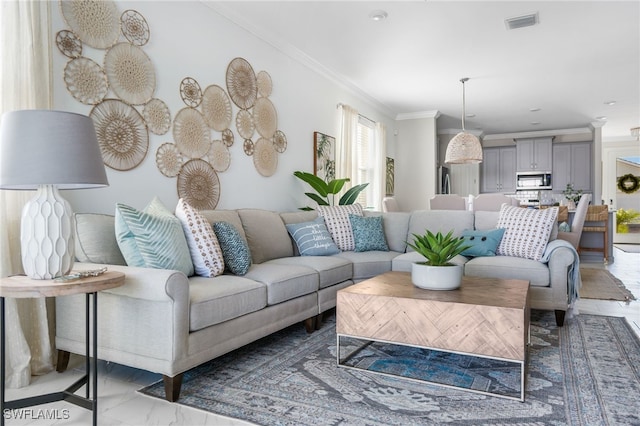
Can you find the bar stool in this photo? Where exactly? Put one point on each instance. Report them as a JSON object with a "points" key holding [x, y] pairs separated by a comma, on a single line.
{"points": [[599, 214]]}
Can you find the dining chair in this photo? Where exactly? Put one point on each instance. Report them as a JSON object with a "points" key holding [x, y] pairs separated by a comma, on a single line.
{"points": [[447, 202]]}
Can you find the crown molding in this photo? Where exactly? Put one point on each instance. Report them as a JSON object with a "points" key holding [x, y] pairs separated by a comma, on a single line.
{"points": [[419, 114], [537, 134], [297, 55]]}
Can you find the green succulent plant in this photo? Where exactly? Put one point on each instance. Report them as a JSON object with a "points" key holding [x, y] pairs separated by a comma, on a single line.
{"points": [[437, 248], [326, 191]]}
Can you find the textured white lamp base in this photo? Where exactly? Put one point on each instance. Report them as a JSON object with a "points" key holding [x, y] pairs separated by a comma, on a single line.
{"points": [[47, 235]]}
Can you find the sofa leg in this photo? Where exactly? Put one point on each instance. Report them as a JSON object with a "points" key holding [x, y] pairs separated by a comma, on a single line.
{"points": [[319, 321], [310, 324], [560, 318], [172, 387], [63, 361]]}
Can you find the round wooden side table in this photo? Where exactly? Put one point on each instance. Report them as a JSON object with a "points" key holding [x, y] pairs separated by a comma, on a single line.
{"points": [[24, 287]]}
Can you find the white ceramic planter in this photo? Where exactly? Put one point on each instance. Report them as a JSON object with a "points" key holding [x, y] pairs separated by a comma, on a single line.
{"points": [[436, 277]]}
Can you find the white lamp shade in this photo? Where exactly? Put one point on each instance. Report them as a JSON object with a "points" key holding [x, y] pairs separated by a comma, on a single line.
{"points": [[42, 147], [464, 148]]}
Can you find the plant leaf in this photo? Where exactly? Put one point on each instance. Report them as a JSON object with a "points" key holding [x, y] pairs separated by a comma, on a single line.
{"points": [[351, 195], [314, 181]]}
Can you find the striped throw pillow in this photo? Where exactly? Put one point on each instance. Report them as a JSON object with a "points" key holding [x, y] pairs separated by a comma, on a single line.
{"points": [[526, 231]]}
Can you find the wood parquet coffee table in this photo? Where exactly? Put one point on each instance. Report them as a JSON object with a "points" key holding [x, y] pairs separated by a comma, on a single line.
{"points": [[485, 317]]}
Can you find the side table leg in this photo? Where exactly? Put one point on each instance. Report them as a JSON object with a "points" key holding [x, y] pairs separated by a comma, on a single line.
{"points": [[2, 361], [95, 359]]}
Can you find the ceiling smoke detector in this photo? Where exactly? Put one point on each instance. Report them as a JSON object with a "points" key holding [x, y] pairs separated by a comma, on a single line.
{"points": [[521, 21]]}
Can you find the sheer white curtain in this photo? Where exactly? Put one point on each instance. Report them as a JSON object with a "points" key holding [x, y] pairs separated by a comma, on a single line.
{"points": [[25, 83], [380, 166], [346, 158]]}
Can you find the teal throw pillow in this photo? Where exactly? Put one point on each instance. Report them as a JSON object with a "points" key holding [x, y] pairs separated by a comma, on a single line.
{"points": [[564, 227], [368, 233], [235, 251], [483, 243], [313, 238], [152, 238]]}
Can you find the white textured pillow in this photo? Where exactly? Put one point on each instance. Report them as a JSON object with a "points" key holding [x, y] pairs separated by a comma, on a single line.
{"points": [[337, 220], [202, 241], [526, 231]]}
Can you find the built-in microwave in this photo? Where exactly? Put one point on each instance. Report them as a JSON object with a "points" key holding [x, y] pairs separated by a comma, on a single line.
{"points": [[532, 181]]}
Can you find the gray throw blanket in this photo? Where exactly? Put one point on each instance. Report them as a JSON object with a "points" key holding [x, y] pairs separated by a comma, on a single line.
{"points": [[574, 282]]}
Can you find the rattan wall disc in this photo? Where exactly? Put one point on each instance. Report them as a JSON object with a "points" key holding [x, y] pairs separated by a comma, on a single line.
{"points": [[86, 80], [121, 132], [219, 156], [134, 27], [131, 73], [247, 147], [265, 118], [191, 133], [198, 185], [190, 92], [241, 83], [279, 141], [157, 116], [265, 157], [216, 108], [265, 85], [168, 159], [227, 137], [244, 124], [69, 44], [96, 22]]}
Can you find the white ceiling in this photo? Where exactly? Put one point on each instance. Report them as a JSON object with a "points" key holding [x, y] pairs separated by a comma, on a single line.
{"points": [[580, 55]]}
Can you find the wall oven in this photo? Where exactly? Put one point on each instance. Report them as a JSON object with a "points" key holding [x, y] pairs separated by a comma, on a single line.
{"points": [[533, 181]]}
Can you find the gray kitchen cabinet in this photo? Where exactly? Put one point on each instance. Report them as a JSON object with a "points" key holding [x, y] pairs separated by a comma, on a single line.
{"points": [[534, 154], [572, 164], [498, 170]]}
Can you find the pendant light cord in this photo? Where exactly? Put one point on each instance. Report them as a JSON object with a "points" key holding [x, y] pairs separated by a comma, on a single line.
{"points": [[463, 80]]}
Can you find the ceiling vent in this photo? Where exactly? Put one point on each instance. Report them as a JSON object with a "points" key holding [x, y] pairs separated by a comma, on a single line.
{"points": [[521, 21]]}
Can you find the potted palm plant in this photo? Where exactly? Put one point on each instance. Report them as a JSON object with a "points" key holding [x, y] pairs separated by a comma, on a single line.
{"points": [[437, 272], [326, 191]]}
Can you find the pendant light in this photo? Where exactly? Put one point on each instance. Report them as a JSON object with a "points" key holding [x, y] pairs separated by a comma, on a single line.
{"points": [[464, 148]]}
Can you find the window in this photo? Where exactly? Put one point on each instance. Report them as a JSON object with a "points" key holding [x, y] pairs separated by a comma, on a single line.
{"points": [[365, 160]]}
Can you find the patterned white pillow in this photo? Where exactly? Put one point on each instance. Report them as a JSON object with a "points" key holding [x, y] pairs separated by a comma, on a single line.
{"points": [[337, 220], [202, 241], [526, 231]]}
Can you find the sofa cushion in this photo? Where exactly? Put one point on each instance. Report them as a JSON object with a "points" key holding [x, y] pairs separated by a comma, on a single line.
{"points": [[96, 239], [368, 233], [396, 225], [222, 298], [509, 267], [235, 251], [312, 238], [229, 216], [337, 220], [331, 269], [481, 242], [266, 235], [439, 220], [152, 238], [284, 282], [526, 232], [204, 248], [369, 263]]}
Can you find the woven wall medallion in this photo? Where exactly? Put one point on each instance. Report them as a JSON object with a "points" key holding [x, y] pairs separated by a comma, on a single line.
{"points": [[244, 124], [216, 108], [265, 85], [279, 141], [198, 185], [95, 22], [191, 133], [134, 27], [169, 160], [219, 156], [247, 147], [69, 44], [157, 116], [241, 83], [85, 80], [131, 73], [190, 92], [265, 157], [227, 137], [265, 118], [122, 134]]}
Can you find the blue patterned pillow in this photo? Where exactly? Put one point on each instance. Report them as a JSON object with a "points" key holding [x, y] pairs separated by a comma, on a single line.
{"points": [[368, 233], [483, 243], [235, 251], [313, 238], [152, 238]]}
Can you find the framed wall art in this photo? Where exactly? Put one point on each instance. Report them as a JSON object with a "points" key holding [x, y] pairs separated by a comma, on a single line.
{"points": [[324, 156], [390, 176]]}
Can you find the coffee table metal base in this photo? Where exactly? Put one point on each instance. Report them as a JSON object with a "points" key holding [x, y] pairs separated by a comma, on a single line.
{"points": [[341, 361]]}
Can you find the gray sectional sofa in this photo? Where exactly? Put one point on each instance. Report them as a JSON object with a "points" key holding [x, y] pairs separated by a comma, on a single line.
{"points": [[165, 322]]}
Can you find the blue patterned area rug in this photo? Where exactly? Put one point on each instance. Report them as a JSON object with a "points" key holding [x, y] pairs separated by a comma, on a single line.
{"points": [[585, 373]]}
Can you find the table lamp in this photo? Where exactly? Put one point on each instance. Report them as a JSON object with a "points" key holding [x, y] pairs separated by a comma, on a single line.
{"points": [[48, 150]]}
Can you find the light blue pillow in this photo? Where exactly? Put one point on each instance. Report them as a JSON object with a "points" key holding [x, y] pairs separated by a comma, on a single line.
{"points": [[368, 233], [235, 251], [152, 238], [482, 242], [564, 227], [313, 238]]}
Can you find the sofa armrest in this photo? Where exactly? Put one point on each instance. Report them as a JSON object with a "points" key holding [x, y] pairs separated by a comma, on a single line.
{"points": [[562, 261]]}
